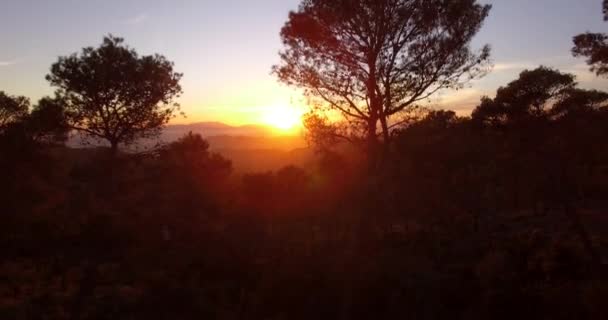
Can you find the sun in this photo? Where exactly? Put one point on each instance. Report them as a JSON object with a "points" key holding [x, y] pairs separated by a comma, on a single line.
{"points": [[283, 118]]}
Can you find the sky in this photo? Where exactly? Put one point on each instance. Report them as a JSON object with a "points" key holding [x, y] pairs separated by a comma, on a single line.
{"points": [[226, 48]]}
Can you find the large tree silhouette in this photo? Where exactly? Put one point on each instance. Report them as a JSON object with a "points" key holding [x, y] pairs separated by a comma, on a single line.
{"points": [[113, 94], [372, 59], [594, 47]]}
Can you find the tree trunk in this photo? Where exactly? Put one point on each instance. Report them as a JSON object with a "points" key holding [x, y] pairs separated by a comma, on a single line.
{"points": [[372, 144], [386, 137], [375, 109], [113, 149], [385, 130]]}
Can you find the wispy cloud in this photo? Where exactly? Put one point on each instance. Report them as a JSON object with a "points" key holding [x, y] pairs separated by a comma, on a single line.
{"points": [[586, 78], [7, 63], [462, 101], [509, 66], [557, 61], [563, 63], [138, 19]]}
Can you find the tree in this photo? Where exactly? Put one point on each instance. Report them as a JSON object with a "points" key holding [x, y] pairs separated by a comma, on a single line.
{"points": [[324, 134], [47, 122], [191, 156], [189, 180], [594, 46], [551, 142], [370, 60], [12, 109], [530, 96], [113, 94], [577, 102]]}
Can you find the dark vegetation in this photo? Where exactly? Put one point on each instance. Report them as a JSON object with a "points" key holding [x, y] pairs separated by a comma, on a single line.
{"points": [[594, 46], [501, 215]]}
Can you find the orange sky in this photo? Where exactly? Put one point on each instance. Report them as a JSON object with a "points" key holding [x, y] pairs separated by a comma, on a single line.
{"points": [[226, 49]]}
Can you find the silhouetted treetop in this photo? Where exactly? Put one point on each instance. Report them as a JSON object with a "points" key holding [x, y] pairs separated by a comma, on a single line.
{"points": [[12, 109], [594, 47], [576, 102], [529, 96], [44, 124], [489, 112], [372, 59], [437, 120], [112, 93], [47, 122], [191, 155]]}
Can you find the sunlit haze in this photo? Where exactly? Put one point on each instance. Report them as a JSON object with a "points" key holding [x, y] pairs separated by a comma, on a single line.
{"points": [[226, 48]]}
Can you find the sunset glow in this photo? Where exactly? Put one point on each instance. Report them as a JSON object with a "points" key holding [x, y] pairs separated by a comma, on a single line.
{"points": [[227, 61], [284, 118]]}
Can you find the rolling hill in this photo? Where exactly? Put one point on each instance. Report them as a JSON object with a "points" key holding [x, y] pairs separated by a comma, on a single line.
{"points": [[251, 148]]}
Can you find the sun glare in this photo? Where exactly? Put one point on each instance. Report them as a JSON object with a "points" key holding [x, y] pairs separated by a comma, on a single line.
{"points": [[283, 118]]}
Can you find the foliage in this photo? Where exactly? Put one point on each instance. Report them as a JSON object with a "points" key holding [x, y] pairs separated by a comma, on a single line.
{"points": [[112, 93], [469, 210], [537, 93], [594, 46], [371, 60], [47, 122], [12, 109]]}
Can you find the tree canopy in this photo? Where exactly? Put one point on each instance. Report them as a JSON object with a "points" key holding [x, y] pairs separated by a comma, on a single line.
{"points": [[47, 121], [594, 47], [113, 94], [369, 60], [12, 109], [532, 95]]}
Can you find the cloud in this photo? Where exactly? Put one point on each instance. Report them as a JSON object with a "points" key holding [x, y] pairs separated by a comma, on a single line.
{"points": [[586, 78], [513, 66], [462, 101], [7, 63], [558, 61], [138, 19]]}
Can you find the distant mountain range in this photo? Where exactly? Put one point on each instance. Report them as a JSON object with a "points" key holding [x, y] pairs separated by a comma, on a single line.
{"points": [[209, 129], [223, 136], [241, 137], [252, 148]]}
